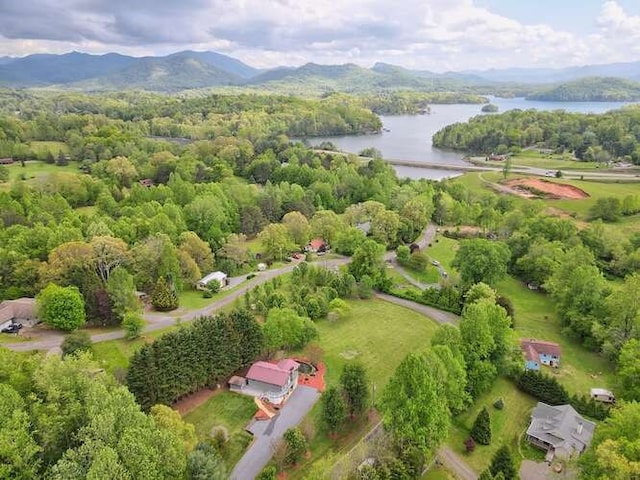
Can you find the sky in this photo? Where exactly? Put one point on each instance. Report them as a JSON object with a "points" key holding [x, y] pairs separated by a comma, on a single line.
{"points": [[436, 35]]}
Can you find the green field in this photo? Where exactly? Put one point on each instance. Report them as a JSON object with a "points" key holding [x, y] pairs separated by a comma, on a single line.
{"points": [[36, 169], [532, 158], [443, 250], [41, 148], [231, 411], [506, 425], [378, 334], [438, 472]]}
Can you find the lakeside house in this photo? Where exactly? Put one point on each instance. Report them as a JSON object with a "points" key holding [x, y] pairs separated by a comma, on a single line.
{"points": [[271, 381], [218, 276], [559, 430], [539, 352]]}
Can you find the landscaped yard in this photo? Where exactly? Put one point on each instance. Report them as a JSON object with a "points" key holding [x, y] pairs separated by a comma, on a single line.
{"points": [[506, 424], [36, 169], [231, 411], [378, 334], [443, 250]]}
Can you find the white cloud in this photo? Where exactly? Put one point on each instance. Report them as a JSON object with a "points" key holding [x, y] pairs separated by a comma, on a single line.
{"points": [[428, 34]]}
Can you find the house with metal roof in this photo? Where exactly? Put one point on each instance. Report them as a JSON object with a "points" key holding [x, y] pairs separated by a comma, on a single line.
{"points": [[220, 277], [18, 311], [559, 430], [271, 381], [539, 352]]}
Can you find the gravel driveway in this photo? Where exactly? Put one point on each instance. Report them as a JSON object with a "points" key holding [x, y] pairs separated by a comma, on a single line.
{"points": [[266, 433]]}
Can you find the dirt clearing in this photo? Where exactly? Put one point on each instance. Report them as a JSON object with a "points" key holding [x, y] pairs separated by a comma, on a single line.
{"points": [[539, 188]]}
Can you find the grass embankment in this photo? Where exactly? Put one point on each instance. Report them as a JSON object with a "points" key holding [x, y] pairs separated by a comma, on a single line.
{"points": [[231, 411]]}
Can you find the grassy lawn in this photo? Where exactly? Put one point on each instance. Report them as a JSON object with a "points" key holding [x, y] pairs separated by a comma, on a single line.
{"points": [[438, 472], [115, 354], [230, 410], [36, 169], [535, 315], [429, 275], [378, 334], [443, 250], [13, 338], [41, 147], [506, 424]]}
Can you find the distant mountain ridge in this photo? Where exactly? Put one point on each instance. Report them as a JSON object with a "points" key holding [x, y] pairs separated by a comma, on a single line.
{"points": [[195, 70]]}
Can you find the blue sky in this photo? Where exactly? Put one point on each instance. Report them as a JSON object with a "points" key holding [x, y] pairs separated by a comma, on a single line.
{"points": [[437, 35]]}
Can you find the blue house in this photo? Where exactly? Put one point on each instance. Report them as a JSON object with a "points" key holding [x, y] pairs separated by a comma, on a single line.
{"points": [[538, 352]]}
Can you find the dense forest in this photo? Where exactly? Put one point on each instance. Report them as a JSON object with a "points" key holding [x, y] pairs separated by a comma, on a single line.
{"points": [[592, 89], [601, 138]]}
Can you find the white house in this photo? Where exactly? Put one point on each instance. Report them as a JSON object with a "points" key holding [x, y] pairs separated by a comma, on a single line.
{"points": [[220, 277], [270, 381]]}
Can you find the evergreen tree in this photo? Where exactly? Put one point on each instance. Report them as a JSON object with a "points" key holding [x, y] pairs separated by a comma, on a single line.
{"points": [[164, 299], [334, 409], [251, 336], [502, 461], [481, 430], [296, 445]]}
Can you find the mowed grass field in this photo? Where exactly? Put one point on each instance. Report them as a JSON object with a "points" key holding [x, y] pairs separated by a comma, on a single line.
{"points": [[231, 411], [378, 334], [35, 169]]}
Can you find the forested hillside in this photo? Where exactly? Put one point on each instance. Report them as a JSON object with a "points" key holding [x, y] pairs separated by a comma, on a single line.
{"points": [[590, 137], [593, 89]]}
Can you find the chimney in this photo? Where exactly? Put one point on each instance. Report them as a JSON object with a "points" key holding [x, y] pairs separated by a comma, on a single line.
{"points": [[580, 428]]}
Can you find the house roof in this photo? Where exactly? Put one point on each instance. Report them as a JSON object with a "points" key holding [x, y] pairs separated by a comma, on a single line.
{"points": [[288, 364], [21, 308], [269, 373], [317, 243], [560, 426], [220, 276], [236, 380], [364, 227], [534, 348]]}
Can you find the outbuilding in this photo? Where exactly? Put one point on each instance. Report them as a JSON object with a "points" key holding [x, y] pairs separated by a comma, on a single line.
{"points": [[220, 277], [603, 395]]}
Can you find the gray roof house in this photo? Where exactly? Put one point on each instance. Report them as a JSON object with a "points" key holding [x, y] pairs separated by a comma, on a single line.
{"points": [[559, 430], [19, 310]]}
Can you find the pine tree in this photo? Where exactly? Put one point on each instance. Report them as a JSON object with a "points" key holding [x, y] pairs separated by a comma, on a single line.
{"points": [[163, 298], [355, 387], [503, 462], [334, 409], [481, 430]]}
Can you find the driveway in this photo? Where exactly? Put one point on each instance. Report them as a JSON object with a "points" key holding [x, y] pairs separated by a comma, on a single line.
{"points": [[268, 433], [439, 316]]}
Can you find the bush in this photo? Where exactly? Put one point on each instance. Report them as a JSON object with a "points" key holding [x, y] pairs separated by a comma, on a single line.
{"points": [[296, 445], [207, 293], [469, 445], [61, 307], [132, 324], [250, 276], [269, 473], [78, 341], [499, 404], [213, 286]]}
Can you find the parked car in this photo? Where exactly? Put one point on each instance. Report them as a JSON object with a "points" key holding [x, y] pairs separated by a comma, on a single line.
{"points": [[435, 262], [13, 328]]}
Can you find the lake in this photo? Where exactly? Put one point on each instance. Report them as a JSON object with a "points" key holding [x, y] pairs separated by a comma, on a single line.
{"points": [[409, 136]]}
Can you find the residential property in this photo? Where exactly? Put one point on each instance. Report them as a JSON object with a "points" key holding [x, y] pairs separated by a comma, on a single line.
{"points": [[603, 395], [19, 310], [538, 352], [271, 381], [146, 182], [316, 245], [220, 277], [559, 430]]}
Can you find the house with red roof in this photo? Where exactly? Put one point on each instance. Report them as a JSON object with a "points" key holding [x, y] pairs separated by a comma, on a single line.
{"points": [[539, 352], [317, 245], [271, 381]]}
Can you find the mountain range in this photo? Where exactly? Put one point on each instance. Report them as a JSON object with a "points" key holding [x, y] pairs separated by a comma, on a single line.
{"points": [[192, 70]]}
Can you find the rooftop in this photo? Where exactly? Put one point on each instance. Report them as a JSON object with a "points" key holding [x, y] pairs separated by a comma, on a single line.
{"points": [[533, 348], [213, 276], [561, 426], [271, 373]]}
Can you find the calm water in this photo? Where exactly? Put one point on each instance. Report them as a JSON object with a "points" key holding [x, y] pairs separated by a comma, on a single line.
{"points": [[409, 136]]}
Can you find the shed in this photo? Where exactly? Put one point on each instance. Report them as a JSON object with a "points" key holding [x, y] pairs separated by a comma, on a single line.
{"points": [[603, 395], [218, 276]]}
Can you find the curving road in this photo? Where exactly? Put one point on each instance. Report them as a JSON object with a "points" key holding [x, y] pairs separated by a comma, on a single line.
{"points": [[156, 321]]}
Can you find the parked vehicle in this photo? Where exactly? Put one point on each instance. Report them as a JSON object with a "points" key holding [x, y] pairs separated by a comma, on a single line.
{"points": [[13, 328], [435, 262]]}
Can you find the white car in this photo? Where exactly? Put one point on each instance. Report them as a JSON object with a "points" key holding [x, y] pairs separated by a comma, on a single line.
{"points": [[435, 262]]}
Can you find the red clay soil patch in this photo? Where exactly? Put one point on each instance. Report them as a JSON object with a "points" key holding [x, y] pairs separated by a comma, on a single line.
{"points": [[193, 401], [315, 381], [532, 187]]}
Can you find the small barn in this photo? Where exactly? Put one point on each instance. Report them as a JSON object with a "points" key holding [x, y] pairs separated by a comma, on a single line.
{"points": [[220, 277]]}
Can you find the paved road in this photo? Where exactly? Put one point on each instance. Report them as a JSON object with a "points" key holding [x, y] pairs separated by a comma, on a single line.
{"points": [[455, 464], [437, 315], [268, 433]]}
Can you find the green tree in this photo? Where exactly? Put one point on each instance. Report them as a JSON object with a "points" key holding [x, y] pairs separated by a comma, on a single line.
{"points": [[384, 227], [608, 209], [270, 472], [284, 328], [368, 260], [77, 341], [164, 298], [348, 240], [122, 292], [133, 325], [276, 242], [61, 307], [355, 386], [199, 250], [296, 445], [628, 373], [326, 224], [333, 409], [298, 227], [481, 260], [502, 462], [481, 429], [414, 404], [402, 254], [613, 453]]}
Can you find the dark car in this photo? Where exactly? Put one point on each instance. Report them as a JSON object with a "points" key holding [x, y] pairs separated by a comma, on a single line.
{"points": [[13, 328]]}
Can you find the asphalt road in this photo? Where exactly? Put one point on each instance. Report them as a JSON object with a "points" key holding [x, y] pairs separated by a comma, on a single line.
{"points": [[268, 433]]}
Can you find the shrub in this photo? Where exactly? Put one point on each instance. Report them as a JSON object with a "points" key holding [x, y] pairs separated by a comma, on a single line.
{"points": [[207, 293], [61, 307], [296, 445], [269, 473], [78, 341], [469, 445], [250, 276], [213, 286], [499, 404], [132, 324]]}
